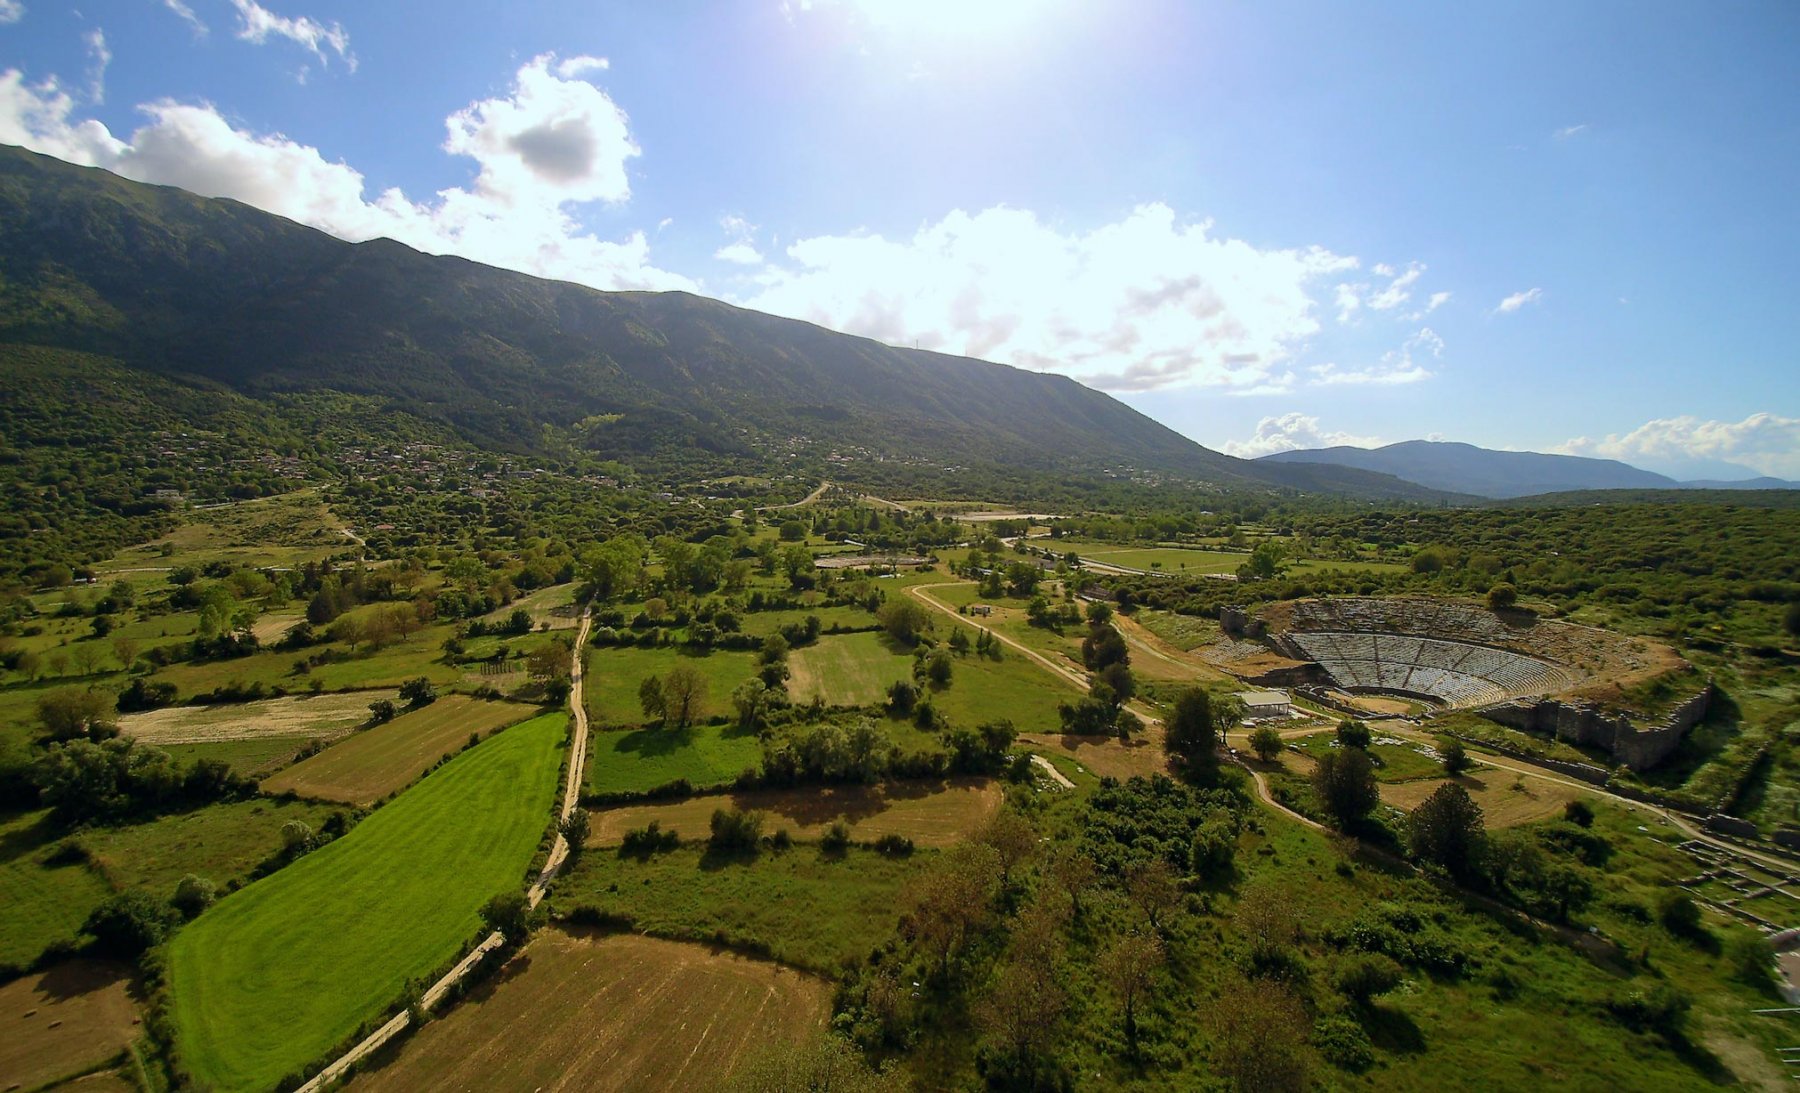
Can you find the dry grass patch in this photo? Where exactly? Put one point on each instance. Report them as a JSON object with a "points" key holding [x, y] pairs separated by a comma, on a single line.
{"points": [[328, 715], [63, 1021], [930, 814], [373, 764], [584, 1012], [1506, 799], [847, 669], [1105, 756]]}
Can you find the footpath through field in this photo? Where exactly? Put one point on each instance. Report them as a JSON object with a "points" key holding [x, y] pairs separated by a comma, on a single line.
{"points": [[559, 853]]}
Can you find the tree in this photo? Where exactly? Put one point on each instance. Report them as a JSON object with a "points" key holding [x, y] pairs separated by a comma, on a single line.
{"points": [[126, 649], [418, 692], [1118, 677], [1446, 830], [1072, 870], [547, 661], [1502, 597], [750, 700], [1103, 645], [128, 924], [381, 711], [650, 698], [1344, 783], [903, 618], [1266, 743], [1189, 736], [1151, 886], [1012, 839], [510, 913], [684, 696], [1129, 965], [1215, 844], [1354, 734], [1259, 1035], [575, 830], [792, 531], [938, 668], [296, 837], [734, 830], [952, 900], [69, 713], [1455, 757]]}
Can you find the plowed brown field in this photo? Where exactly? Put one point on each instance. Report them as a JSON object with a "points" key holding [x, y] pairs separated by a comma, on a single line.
{"points": [[582, 1012]]}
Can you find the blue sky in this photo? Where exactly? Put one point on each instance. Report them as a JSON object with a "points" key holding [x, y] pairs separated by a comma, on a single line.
{"points": [[1549, 226]]}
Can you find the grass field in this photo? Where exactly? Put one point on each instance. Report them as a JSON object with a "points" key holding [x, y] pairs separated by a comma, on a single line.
{"points": [[554, 606], [806, 908], [372, 764], [43, 903], [271, 977], [763, 623], [419, 655], [1103, 756], [63, 1021], [614, 673], [222, 842], [930, 814], [283, 530], [1394, 762], [1506, 800], [1181, 631], [581, 1012], [1015, 689], [252, 758], [299, 718], [848, 669], [643, 759]]}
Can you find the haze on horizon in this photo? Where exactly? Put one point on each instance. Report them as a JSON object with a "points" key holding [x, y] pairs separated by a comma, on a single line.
{"points": [[1546, 228]]}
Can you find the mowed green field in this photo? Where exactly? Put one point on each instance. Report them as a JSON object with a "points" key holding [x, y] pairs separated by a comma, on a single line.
{"points": [[278, 973], [369, 765], [809, 909], [643, 759], [614, 673], [847, 669]]}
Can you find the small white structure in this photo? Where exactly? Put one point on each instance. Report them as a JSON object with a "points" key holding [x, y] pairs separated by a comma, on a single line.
{"points": [[1261, 705]]}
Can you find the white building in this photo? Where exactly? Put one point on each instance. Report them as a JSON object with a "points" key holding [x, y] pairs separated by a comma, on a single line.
{"points": [[1259, 705]]}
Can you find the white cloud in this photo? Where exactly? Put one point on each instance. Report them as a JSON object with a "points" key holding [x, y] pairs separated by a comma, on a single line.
{"points": [[1766, 442], [187, 16], [743, 254], [11, 11], [1351, 297], [1287, 432], [260, 24], [1398, 290], [540, 149], [576, 67], [1518, 300], [1397, 366], [1143, 303], [1438, 299], [1569, 131], [98, 58]]}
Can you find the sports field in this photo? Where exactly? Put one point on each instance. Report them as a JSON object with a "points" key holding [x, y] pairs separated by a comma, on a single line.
{"points": [[581, 1012], [643, 759], [928, 814], [370, 765], [848, 669], [271, 977]]}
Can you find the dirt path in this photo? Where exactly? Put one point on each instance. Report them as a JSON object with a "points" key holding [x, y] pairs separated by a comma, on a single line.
{"points": [[1051, 772], [807, 500], [922, 593], [559, 853]]}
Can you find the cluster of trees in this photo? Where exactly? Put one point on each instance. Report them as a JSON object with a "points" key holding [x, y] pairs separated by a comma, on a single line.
{"points": [[111, 779], [677, 698], [1102, 710]]}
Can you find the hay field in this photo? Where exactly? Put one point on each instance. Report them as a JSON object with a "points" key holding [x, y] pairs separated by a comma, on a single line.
{"points": [[1501, 804], [326, 715], [586, 1012], [63, 1021], [373, 764], [930, 815]]}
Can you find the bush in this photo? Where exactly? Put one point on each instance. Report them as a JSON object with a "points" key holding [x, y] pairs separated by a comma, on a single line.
{"points": [[641, 842], [1363, 976], [193, 894], [894, 845], [1661, 1008], [381, 711], [735, 831], [836, 838], [418, 692], [1679, 914], [1343, 1043], [128, 924], [1266, 743], [511, 914], [1354, 734], [1579, 813]]}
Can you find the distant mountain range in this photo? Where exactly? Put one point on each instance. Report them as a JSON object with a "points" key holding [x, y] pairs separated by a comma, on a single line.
{"points": [[179, 286], [1484, 472]]}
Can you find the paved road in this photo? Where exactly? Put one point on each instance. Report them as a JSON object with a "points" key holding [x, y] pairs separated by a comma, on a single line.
{"points": [[807, 500], [559, 853]]}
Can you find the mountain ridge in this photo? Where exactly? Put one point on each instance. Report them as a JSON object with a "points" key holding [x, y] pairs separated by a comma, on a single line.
{"points": [[169, 282]]}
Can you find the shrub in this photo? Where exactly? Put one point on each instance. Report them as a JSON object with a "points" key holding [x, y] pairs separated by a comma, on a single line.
{"points": [[735, 831], [1679, 914], [836, 838], [1363, 976], [894, 845], [128, 924], [1343, 1043], [641, 842], [193, 894], [1266, 743]]}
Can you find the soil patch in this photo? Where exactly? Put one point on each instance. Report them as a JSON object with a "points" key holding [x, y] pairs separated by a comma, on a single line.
{"points": [[587, 1012], [64, 1020]]}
